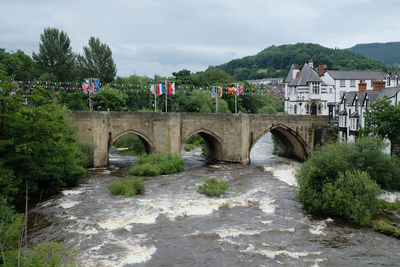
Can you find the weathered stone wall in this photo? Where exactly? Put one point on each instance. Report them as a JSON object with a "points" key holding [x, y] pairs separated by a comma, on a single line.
{"points": [[230, 136]]}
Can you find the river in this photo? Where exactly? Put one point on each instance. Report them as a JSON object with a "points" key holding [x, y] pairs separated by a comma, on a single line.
{"points": [[259, 222]]}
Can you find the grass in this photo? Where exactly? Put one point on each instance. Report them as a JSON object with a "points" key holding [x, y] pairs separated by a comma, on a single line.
{"points": [[387, 227], [193, 142], [213, 187], [128, 187], [157, 164]]}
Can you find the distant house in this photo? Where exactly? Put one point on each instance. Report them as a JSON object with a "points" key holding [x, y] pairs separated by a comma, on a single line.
{"points": [[318, 91], [266, 81]]}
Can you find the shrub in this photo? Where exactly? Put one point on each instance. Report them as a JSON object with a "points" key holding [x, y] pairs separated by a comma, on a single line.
{"points": [[213, 187], [128, 187], [157, 164], [385, 226]]}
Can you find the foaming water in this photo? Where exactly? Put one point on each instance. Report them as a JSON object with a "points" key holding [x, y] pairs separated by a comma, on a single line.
{"points": [[258, 222]]}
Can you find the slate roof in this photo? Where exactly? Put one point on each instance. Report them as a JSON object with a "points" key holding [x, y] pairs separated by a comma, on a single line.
{"points": [[356, 74], [389, 92], [306, 75], [289, 77]]}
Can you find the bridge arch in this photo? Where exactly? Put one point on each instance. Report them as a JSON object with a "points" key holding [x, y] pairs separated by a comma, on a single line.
{"points": [[291, 144], [213, 143], [146, 141]]}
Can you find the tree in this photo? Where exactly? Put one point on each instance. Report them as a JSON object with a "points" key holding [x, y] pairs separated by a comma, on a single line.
{"points": [[383, 119], [110, 98], [97, 61], [55, 54]]}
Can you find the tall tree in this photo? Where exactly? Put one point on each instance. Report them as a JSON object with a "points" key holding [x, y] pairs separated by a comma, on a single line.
{"points": [[55, 54], [383, 120], [97, 61]]}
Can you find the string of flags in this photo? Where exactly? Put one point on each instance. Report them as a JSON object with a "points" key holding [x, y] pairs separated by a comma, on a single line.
{"points": [[166, 88]]}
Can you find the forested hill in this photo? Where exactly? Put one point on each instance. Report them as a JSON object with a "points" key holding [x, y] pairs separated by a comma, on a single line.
{"points": [[275, 61], [388, 53]]}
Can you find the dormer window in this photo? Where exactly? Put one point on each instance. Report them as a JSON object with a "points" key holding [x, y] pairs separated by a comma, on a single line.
{"points": [[388, 81], [352, 83]]}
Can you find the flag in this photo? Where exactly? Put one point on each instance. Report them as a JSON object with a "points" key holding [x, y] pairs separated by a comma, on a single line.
{"points": [[160, 89], [231, 90], [213, 93], [173, 88], [152, 89], [241, 89], [97, 85], [220, 91]]}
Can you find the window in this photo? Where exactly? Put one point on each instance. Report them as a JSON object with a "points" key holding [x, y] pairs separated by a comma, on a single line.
{"points": [[315, 88], [342, 121], [352, 83], [342, 83], [388, 81], [295, 109], [354, 124]]}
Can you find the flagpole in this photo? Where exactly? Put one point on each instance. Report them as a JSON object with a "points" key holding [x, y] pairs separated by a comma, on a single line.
{"points": [[235, 103], [216, 100], [166, 97], [155, 101]]}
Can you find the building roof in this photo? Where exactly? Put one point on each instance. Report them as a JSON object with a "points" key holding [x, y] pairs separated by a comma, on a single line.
{"points": [[289, 77], [356, 74], [389, 92], [306, 75]]}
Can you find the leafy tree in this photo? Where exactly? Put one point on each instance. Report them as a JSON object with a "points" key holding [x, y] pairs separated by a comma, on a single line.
{"points": [[37, 146], [55, 54], [17, 65], [218, 77], [97, 61], [383, 119], [109, 98]]}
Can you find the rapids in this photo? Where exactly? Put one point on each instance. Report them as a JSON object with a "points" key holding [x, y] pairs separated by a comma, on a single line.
{"points": [[259, 222]]}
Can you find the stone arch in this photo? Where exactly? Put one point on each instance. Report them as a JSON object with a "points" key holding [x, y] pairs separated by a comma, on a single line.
{"points": [[213, 143], [291, 144], [147, 143]]}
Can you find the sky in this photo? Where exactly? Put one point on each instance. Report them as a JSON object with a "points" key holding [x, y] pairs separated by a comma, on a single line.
{"points": [[150, 37]]}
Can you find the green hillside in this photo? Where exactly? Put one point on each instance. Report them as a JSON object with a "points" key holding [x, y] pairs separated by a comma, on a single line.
{"points": [[275, 61], [388, 53]]}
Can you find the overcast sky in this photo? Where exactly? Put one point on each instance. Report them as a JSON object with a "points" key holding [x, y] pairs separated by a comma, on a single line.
{"points": [[150, 37]]}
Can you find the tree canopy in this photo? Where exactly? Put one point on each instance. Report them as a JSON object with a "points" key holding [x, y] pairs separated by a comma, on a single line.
{"points": [[97, 61], [55, 54]]}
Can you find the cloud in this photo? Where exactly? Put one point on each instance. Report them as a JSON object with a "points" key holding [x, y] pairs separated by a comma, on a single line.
{"points": [[158, 36]]}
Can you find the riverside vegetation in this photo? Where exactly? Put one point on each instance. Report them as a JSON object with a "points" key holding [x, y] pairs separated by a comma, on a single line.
{"points": [[39, 155], [213, 187], [157, 164], [345, 179], [193, 142], [128, 187]]}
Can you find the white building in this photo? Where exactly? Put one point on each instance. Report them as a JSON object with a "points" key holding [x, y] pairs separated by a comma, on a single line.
{"points": [[318, 91], [266, 81], [353, 106]]}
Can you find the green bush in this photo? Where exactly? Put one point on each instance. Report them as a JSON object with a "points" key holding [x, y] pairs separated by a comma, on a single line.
{"points": [[128, 187], [213, 187], [157, 164], [385, 226]]}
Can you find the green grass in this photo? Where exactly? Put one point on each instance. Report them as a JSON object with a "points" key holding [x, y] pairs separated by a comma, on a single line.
{"points": [[213, 187], [157, 164], [128, 187], [387, 227]]}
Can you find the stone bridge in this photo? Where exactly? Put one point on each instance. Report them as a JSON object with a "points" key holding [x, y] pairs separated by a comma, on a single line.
{"points": [[228, 137]]}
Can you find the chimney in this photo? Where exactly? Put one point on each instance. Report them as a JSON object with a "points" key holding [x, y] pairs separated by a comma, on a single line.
{"points": [[362, 86], [310, 63], [321, 69], [378, 84], [295, 70]]}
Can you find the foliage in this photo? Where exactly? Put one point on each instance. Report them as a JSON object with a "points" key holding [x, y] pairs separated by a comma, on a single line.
{"points": [[217, 77], [275, 61], [130, 141], [387, 53], [76, 100], [353, 195], [11, 226], [17, 65], [336, 179], [193, 142], [55, 54], [109, 98], [213, 187], [128, 187], [386, 227], [37, 145], [97, 61], [87, 149], [383, 119], [157, 164]]}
